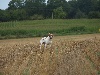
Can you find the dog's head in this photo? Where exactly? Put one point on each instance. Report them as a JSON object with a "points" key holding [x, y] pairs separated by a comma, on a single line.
{"points": [[50, 35]]}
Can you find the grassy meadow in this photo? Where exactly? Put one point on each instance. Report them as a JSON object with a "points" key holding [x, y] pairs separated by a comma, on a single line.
{"points": [[36, 28]]}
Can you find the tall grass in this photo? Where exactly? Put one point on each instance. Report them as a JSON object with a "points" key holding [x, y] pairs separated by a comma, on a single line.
{"points": [[31, 28]]}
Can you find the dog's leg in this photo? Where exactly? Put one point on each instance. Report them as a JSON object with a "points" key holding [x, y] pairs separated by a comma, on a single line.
{"points": [[40, 46], [45, 46]]}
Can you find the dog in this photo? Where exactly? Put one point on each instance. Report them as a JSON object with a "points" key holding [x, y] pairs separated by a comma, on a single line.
{"points": [[46, 40]]}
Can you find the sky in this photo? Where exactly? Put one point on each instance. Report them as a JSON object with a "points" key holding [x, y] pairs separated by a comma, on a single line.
{"points": [[4, 4]]}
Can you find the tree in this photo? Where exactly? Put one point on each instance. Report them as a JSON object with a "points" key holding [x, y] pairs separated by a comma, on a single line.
{"points": [[98, 5], [87, 5], [84, 5], [4, 16], [15, 4], [94, 14], [20, 9], [30, 9], [73, 9], [35, 7], [80, 15], [54, 4], [59, 13], [18, 14]]}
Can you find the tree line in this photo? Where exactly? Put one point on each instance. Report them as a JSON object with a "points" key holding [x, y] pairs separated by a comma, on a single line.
{"points": [[57, 9]]}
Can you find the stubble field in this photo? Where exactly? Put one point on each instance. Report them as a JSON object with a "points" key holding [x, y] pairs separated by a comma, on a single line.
{"points": [[69, 55]]}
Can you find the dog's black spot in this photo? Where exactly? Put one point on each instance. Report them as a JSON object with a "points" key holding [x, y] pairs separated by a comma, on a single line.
{"points": [[43, 43]]}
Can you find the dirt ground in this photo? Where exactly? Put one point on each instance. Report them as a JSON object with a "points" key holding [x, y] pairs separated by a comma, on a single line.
{"points": [[69, 55], [36, 39]]}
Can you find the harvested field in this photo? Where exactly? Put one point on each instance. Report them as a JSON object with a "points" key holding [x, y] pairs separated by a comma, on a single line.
{"points": [[69, 55]]}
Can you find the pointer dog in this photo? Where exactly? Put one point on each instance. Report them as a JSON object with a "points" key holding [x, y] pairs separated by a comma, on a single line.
{"points": [[46, 40]]}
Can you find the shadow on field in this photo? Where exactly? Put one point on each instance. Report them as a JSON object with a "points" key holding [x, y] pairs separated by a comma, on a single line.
{"points": [[63, 58]]}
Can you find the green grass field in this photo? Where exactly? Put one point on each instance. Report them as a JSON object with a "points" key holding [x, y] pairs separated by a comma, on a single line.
{"points": [[36, 28]]}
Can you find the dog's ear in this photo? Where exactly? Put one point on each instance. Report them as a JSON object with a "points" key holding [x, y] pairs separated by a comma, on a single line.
{"points": [[49, 34]]}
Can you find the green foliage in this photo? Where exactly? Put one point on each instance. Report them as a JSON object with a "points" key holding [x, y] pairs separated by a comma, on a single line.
{"points": [[4, 16], [77, 29], [36, 17], [15, 4], [59, 13], [33, 7], [34, 28], [80, 15], [18, 14], [94, 14], [26, 9]]}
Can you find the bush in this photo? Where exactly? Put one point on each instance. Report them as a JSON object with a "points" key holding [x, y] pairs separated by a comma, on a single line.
{"points": [[94, 14], [4, 16], [80, 14], [36, 17], [59, 13]]}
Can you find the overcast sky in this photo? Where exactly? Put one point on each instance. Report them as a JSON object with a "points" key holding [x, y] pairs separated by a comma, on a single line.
{"points": [[4, 4]]}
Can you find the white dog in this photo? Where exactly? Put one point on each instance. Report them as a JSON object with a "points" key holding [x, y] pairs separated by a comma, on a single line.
{"points": [[46, 40]]}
